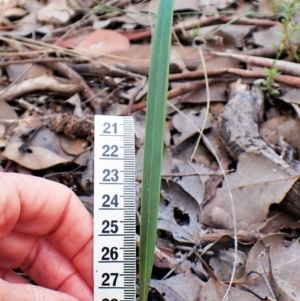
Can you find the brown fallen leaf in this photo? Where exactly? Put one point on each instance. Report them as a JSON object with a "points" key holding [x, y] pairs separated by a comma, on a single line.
{"points": [[257, 183], [43, 151]]}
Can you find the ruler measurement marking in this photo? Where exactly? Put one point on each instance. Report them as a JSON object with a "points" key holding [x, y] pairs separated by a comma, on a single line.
{"points": [[114, 213]]}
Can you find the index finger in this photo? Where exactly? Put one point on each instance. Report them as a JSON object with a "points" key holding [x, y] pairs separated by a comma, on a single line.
{"points": [[36, 206]]}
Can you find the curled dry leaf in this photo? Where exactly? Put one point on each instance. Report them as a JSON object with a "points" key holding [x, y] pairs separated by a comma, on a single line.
{"points": [[179, 213], [257, 183], [278, 261], [43, 151], [72, 146]]}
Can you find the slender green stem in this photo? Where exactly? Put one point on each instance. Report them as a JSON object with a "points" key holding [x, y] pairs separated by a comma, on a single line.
{"points": [[154, 141]]}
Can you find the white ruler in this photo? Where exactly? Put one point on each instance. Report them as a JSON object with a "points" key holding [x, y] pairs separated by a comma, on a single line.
{"points": [[114, 209]]}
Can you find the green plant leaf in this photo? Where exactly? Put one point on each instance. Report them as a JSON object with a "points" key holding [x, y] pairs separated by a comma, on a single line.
{"points": [[154, 139]]}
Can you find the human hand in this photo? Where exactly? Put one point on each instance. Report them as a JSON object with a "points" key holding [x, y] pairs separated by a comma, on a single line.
{"points": [[47, 233]]}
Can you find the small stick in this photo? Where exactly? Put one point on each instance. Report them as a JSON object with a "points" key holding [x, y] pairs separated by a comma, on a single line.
{"points": [[282, 66], [284, 79], [145, 34]]}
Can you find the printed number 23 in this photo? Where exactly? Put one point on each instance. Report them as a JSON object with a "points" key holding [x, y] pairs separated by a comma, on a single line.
{"points": [[110, 175]]}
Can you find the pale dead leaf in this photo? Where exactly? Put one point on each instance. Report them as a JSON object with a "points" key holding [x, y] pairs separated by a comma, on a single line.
{"points": [[291, 96], [222, 264], [76, 102], [269, 36], [256, 184], [179, 213], [284, 126], [214, 290], [185, 150], [172, 289], [283, 274], [191, 184], [184, 124]]}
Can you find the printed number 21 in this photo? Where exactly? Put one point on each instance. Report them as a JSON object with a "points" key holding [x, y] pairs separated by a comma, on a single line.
{"points": [[108, 126]]}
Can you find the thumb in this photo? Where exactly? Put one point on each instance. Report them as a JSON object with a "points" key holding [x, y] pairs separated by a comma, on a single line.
{"points": [[29, 292]]}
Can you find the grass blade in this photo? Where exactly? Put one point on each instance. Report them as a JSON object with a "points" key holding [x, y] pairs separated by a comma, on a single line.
{"points": [[154, 139]]}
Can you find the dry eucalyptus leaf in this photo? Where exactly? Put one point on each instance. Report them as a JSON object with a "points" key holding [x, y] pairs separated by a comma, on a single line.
{"points": [[172, 289], [283, 274], [255, 185], [179, 213], [214, 290], [191, 184], [222, 264], [189, 124], [43, 151]]}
